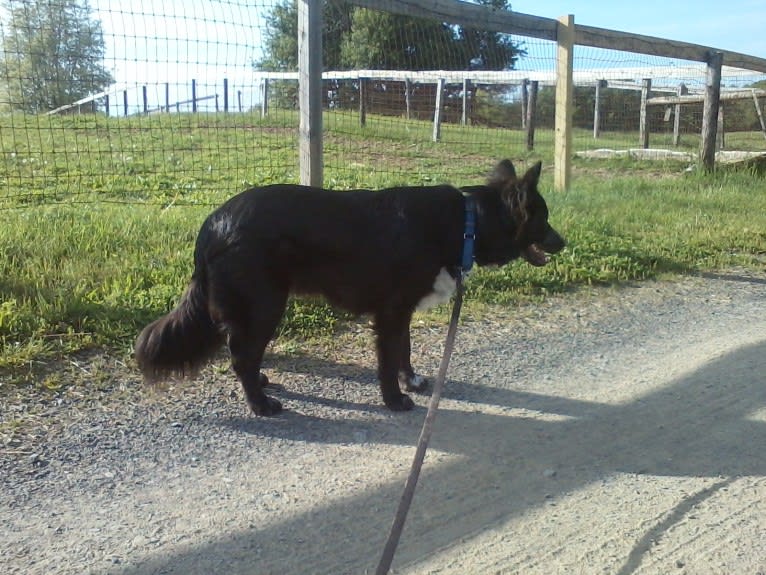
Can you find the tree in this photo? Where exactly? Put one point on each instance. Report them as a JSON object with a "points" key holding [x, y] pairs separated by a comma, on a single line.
{"points": [[53, 54], [359, 38], [383, 41], [281, 44], [281, 36]]}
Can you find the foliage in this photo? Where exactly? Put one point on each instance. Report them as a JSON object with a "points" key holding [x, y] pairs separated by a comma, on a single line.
{"points": [[359, 38], [362, 38], [281, 36], [52, 54]]}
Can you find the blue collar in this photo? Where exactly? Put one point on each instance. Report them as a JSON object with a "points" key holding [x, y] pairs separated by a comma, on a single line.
{"points": [[469, 234]]}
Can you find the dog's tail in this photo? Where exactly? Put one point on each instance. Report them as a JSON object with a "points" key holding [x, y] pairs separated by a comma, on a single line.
{"points": [[180, 343]]}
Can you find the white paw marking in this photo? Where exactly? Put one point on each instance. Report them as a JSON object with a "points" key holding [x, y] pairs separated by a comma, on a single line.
{"points": [[417, 382]]}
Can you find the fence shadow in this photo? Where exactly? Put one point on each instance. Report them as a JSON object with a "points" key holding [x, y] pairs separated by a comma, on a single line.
{"points": [[700, 426]]}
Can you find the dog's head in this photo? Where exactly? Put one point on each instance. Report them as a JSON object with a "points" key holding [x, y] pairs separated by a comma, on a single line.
{"points": [[533, 235]]}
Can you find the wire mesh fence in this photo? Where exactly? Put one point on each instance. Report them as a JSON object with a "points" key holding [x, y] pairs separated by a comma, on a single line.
{"points": [[175, 120], [185, 101], [608, 103]]}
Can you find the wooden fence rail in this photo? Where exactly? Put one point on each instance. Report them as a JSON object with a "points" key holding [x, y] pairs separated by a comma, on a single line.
{"points": [[563, 31]]}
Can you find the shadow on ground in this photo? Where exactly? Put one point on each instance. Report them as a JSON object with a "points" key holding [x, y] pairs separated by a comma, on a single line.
{"points": [[699, 426]]}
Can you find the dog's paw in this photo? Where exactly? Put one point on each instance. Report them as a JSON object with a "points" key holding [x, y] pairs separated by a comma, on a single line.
{"points": [[416, 383], [268, 407], [401, 402]]}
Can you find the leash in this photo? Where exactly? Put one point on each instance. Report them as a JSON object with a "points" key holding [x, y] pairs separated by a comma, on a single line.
{"points": [[425, 435], [469, 236]]}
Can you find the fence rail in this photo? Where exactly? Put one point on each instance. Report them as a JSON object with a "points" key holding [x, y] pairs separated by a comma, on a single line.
{"points": [[563, 31], [494, 20], [565, 79]]}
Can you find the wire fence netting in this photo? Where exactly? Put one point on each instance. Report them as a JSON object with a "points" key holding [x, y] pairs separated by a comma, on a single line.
{"points": [[186, 101]]}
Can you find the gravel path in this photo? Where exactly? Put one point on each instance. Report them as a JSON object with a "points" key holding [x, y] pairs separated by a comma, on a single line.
{"points": [[614, 431]]}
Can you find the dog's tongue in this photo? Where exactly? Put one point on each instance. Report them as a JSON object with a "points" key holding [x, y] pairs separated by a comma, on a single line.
{"points": [[535, 255]]}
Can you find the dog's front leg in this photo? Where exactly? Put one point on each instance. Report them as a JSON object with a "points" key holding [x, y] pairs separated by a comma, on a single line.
{"points": [[410, 380], [389, 327]]}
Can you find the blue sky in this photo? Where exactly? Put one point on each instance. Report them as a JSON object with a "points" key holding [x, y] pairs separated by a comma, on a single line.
{"points": [[736, 25]]}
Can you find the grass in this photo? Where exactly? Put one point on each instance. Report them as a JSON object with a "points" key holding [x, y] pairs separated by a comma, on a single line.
{"points": [[98, 216]]}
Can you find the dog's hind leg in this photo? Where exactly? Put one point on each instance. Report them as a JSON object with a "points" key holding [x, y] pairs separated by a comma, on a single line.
{"points": [[390, 326], [248, 337], [246, 356], [407, 376]]}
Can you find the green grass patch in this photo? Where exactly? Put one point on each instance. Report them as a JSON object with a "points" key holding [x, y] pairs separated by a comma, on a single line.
{"points": [[98, 216]]}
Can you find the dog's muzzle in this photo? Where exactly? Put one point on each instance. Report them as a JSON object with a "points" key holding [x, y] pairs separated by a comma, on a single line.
{"points": [[537, 253]]}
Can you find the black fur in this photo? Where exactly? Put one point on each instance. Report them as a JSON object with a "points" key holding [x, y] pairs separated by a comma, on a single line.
{"points": [[375, 252]]}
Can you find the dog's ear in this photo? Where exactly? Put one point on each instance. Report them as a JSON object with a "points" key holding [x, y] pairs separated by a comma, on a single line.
{"points": [[503, 174], [532, 176], [528, 185], [516, 197]]}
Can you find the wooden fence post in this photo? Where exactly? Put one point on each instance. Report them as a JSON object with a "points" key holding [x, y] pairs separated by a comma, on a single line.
{"points": [[720, 137], [264, 98], [145, 99], [643, 123], [310, 91], [710, 110], [438, 110], [225, 94], [106, 105], [194, 96], [524, 101], [760, 113], [531, 113], [597, 109], [682, 90], [565, 37], [125, 101], [466, 102], [363, 85], [407, 95], [167, 97], [239, 100]]}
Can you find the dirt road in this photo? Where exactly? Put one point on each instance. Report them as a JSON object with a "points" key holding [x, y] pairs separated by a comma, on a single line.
{"points": [[617, 431]]}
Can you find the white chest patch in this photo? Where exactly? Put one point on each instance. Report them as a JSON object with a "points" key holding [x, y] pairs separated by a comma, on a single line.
{"points": [[444, 287]]}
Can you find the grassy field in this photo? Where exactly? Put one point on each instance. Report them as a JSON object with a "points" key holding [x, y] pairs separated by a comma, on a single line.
{"points": [[98, 216]]}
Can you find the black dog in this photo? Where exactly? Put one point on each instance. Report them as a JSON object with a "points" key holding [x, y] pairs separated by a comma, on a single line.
{"points": [[380, 252]]}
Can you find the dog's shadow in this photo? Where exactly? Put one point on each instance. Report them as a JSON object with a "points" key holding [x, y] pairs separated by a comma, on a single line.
{"points": [[305, 363], [335, 405]]}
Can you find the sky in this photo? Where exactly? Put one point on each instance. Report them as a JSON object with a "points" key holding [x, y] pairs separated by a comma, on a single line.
{"points": [[150, 42], [735, 25]]}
